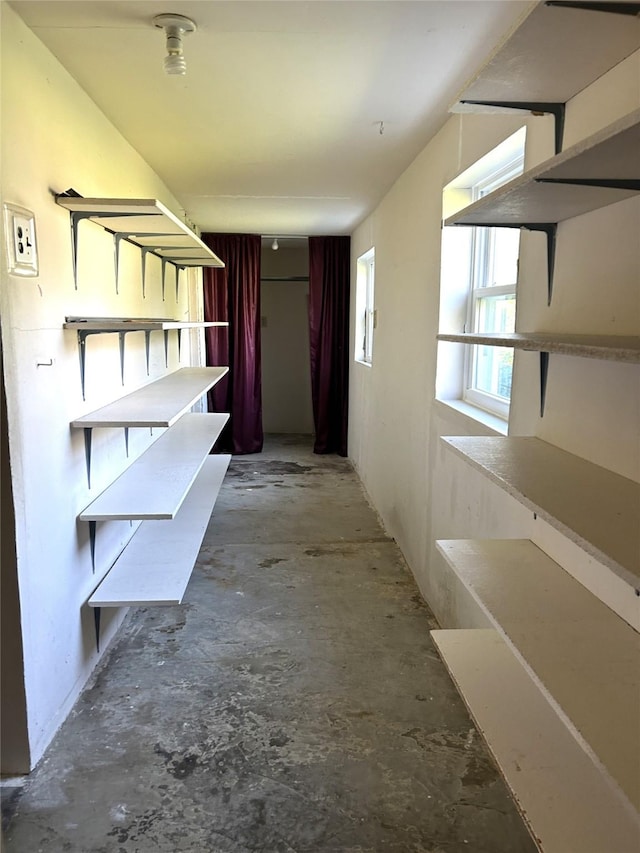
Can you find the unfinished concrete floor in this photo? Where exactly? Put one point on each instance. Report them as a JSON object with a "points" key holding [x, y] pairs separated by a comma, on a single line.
{"points": [[293, 704]]}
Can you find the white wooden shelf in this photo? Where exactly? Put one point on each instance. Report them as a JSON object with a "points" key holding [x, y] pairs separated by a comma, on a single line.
{"points": [[609, 347], [584, 658], [132, 324], [547, 58], [550, 55], [567, 802], [595, 508], [610, 155], [146, 222], [158, 404], [155, 484], [86, 326], [156, 565]]}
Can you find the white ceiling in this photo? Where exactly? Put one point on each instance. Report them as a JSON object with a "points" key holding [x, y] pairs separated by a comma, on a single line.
{"points": [[275, 129]]}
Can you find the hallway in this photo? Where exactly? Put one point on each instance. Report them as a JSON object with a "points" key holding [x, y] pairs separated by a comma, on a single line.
{"points": [[294, 703]]}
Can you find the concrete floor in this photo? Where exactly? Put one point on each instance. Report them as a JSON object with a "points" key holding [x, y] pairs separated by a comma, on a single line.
{"points": [[294, 703]]}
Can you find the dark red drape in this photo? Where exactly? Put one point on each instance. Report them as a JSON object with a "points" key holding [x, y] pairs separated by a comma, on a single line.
{"points": [[329, 274], [233, 294]]}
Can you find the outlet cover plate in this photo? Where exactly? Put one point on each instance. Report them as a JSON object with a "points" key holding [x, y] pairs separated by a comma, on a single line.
{"points": [[20, 239]]}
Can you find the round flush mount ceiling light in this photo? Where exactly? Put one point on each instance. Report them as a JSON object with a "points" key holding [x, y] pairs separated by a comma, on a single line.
{"points": [[175, 27]]}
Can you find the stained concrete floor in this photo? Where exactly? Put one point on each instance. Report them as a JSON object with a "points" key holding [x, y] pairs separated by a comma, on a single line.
{"points": [[294, 703]]}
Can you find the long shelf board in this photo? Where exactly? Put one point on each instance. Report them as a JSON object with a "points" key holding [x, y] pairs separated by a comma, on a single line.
{"points": [[156, 483], [138, 217], [593, 507], [133, 324], [158, 404], [585, 659], [611, 154], [156, 565], [550, 56], [566, 801], [609, 347]]}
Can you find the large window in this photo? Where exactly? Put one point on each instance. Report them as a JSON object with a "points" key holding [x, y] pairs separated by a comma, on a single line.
{"points": [[479, 277], [365, 307]]}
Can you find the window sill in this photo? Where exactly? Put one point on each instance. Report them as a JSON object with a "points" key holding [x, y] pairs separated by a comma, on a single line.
{"points": [[363, 363], [492, 422]]}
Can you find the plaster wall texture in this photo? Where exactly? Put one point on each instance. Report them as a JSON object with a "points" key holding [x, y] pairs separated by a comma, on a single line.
{"points": [[54, 138], [593, 408]]}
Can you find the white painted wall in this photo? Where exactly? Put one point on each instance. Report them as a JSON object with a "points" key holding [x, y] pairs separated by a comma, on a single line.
{"points": [[286, 373], [593, 408], [53, 138]]}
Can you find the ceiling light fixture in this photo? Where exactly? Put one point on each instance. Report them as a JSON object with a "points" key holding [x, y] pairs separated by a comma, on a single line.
{"points": [[175, 27], [274, 245]]}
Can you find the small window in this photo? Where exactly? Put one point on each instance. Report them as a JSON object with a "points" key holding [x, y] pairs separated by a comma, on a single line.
{"points": [[484, 298], [365, 307]]}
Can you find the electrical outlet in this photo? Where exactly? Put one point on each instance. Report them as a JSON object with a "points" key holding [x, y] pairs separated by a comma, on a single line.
{"points": [[20, 238]]}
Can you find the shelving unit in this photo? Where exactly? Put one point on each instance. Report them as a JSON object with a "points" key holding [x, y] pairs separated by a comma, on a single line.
{"points": [[122, 326], [582, 656], [607, 347], [593, 173], [158, 404], [593, 507], [564, 798], [554, 685], [539, 78], [157, 564], [624, 348], [146, 223], [156, 483]]}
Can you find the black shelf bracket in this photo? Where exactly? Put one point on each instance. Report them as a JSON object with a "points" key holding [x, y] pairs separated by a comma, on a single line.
{"points": [[97, 611], [144, 251], [178, 270], [544, 370], [117, 239], [631, 184], [166, 347], [92, 545], [557, 110], [76, 216], [88, 431], [632, 9], [147, 346], [83, 334], [179, 342], [126, 441]]}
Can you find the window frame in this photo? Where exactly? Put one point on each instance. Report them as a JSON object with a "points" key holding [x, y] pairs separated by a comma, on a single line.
{"points": [[482, 249], [365, 308]]}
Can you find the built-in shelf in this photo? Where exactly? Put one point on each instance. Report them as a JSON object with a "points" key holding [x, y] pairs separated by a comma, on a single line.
{"points": [[122, 326], [146, 223], [548, 57], [156, 483], [599, 170], [584, 658], [595, 508], [565, 799], [593, 173], [158, 404], [608, 347], [156, 565]]}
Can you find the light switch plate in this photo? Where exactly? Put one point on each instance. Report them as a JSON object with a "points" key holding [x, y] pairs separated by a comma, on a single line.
{"points": [[20, 238]]}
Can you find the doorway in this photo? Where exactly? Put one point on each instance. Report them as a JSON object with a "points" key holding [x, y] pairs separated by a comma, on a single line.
{"points": [[284, 295]]}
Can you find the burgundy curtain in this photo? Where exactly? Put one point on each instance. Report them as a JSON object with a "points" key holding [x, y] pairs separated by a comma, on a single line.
{"points": [[329, 273], [233, 294]]}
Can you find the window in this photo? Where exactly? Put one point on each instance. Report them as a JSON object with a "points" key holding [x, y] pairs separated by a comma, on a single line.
{"points": [[365, 310], [479, 275]]}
